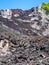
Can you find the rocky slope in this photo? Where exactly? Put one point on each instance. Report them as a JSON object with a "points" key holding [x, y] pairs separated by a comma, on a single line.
{"points": [[24, 37], [25, 51], [33, 22]]}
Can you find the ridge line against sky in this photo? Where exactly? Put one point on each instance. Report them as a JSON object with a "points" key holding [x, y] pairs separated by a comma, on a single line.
{"points": [[20, 4]]}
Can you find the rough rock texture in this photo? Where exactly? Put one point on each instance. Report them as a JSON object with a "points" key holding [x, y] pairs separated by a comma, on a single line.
{"points": [[33, 22], [25, 51], [24, 37]]}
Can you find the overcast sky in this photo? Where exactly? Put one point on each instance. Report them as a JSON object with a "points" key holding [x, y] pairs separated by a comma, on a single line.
{"points": [[21, 4]]}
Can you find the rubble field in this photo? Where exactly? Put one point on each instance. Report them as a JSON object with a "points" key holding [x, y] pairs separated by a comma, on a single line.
{"points": [[24, 51]]}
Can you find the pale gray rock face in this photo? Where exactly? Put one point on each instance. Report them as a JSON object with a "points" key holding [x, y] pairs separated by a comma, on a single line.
{"points": [[4, 47], [6, 14]]}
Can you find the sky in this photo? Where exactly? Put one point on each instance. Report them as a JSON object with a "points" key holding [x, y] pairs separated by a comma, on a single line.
{"points": [[20, 4]]}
